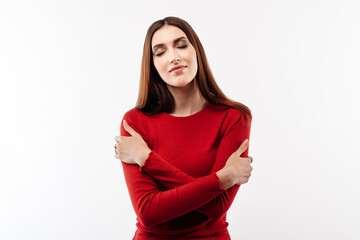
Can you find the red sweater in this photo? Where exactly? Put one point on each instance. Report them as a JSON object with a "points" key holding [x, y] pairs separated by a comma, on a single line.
{"points": [[177, 194]]}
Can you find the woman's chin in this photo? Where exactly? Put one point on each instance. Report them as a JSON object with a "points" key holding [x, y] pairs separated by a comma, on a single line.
{"points": [[180, 84]]}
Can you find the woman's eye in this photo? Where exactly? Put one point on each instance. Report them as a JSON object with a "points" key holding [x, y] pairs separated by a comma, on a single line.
{"points": [[158, 54]]}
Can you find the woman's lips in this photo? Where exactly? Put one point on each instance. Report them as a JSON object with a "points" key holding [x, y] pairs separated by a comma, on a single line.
{"points": [[178, 70]]}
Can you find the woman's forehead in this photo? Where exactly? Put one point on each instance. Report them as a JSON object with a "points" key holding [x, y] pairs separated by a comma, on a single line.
{"points": [[167, 35]]}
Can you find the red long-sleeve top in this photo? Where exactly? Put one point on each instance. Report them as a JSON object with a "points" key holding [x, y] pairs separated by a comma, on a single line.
{"points": [[176, 194]]}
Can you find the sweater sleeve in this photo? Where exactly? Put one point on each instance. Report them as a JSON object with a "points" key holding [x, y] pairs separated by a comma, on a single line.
{"points": [[154, 205], [236, 131]]}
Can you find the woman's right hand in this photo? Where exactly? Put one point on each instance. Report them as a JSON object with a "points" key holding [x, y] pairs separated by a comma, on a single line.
{"points": [[237, 170]]}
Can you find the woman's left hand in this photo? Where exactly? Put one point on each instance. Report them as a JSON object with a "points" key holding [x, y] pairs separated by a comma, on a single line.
{"points": [[132, 149]]}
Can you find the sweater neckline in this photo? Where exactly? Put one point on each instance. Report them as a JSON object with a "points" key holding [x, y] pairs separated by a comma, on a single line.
{"points": [[198, 113]]}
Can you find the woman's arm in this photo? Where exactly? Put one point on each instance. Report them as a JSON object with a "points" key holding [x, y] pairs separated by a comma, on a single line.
{"points": [[235, 130], [171, 177], [154, 205]]}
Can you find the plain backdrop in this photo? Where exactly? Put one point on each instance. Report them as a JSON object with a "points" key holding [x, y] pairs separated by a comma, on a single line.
{"points": [[70, 69]]}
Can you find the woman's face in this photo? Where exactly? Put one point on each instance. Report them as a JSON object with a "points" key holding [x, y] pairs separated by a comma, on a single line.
{"points": [[172, 49]]}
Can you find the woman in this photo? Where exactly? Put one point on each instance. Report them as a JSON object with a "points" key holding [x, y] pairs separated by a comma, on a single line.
{"points": [[180, 146]]}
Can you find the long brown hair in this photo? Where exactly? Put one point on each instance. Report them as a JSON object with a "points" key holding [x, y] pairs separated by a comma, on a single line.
{"points": [[154, 96]]}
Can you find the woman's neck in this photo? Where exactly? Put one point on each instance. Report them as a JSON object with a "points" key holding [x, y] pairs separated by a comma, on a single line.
{"points": [[188, 100]]}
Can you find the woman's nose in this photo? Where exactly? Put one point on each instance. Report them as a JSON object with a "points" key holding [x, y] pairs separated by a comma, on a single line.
{"points": [[172, 56]]}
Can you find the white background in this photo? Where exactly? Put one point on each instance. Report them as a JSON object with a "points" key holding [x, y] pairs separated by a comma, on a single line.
{"points": [[69, 70]]}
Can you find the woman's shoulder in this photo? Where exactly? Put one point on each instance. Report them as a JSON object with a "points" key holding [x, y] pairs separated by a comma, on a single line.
{"points": [[135, 118], [231, 119], [138, 117], [230, 111], [230, 115], [134, 113], [131, 114]]}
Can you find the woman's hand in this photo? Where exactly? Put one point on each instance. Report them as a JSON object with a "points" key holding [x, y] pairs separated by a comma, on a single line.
{"points": [[132, 149], [237, 170]]}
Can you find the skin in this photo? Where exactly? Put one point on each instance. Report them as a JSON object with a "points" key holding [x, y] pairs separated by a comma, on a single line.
{"points": [[169, 54], [171, 48]]}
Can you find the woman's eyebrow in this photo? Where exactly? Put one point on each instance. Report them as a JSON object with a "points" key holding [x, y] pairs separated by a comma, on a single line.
{"points": [[161, 44]]}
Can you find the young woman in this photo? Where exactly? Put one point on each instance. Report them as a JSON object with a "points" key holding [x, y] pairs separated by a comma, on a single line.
{"points": [[184, 146]]}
